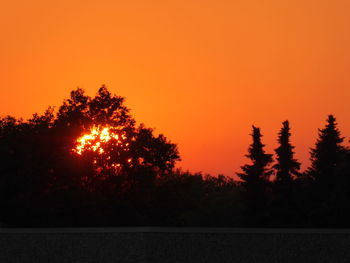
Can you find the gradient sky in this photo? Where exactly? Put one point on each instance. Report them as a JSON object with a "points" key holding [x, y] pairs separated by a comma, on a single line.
{"points": [[200, 72]]}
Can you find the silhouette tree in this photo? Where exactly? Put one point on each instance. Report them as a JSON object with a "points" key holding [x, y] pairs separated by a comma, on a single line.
{"points": [[286, 167], [154, 151], [327, 151], [258, 171], [43, 182], [80, 113], [73, 112], [255, 178], [106, 108], [325, 159]]}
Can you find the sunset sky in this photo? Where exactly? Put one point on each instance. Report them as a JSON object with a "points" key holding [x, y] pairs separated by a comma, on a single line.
{"points": [[200, 72]]}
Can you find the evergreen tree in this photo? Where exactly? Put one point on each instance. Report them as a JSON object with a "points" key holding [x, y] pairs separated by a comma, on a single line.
{"points": [[255, 179], [327, 152], [257, 172], [284, 187], [286, 167], [323, 196]]}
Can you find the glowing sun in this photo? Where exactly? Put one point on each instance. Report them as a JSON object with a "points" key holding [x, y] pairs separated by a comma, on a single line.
{"points": [[99, 140]]}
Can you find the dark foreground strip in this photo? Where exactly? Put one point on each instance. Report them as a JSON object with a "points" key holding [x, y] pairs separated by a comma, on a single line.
{"points": [[179, 230], [168, 245]]}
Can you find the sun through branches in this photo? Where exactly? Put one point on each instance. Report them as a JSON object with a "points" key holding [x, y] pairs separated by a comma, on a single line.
{"points": [[111, 145]]}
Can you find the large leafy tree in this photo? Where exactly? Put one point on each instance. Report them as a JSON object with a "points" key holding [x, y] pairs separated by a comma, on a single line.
{"points": [[39, 170], [80, 113]]}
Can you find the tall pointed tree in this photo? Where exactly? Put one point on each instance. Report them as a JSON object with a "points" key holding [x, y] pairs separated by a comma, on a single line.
{"points": [[287, 167], [256, 174], [255, 179], [284, 188], [325, 160], [327, 151]]}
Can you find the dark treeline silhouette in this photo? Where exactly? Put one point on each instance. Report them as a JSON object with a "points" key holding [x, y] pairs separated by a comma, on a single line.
{"points": [[45, 182]]}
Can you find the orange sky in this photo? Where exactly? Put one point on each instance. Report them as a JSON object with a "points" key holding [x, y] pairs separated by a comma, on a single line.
{"points": [[201, 72]]}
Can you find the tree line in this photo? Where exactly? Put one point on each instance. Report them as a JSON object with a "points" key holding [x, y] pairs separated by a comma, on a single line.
{"points": [[317, 197], [44, 184]]}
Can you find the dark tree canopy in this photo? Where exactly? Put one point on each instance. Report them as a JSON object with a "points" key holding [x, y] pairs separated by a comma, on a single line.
{"points": [[37, 161], [82, 112]]}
